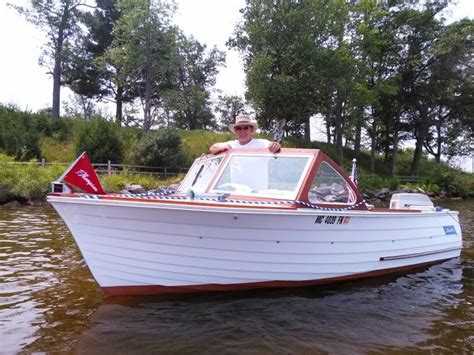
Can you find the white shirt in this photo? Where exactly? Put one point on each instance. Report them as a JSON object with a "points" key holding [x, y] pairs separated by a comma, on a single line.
{"points": [[254, 143], [253, 174]]}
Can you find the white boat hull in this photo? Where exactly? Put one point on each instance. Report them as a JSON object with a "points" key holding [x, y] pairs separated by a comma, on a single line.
{"points": [[140, 247]]}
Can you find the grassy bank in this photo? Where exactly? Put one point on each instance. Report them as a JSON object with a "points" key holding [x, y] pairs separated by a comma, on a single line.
{"points": [[27, 183], [25, 136]]}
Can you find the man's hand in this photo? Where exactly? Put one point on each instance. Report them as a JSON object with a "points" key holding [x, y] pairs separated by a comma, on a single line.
{"points": [[219, 147], [274, 147]]}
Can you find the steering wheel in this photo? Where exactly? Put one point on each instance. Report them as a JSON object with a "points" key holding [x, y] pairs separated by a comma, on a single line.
{"points": [[230, 186]]}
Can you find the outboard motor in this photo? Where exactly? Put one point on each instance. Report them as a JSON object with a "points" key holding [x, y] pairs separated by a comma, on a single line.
{"points": [[412, 201]]}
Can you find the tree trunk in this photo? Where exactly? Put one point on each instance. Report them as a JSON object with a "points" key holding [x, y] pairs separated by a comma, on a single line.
{"points": [[339, 148], [420, 138], [148, 87], [415, 164], [339, 132], [357, 139], [119, 105], [307, 133], [328, 132], [421, 133], [55, 112], [393, 158], [373, 146], [439, 141]]}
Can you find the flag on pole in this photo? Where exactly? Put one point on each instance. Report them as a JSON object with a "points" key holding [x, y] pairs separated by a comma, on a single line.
{"points": [[81, 174], [354, 172]]}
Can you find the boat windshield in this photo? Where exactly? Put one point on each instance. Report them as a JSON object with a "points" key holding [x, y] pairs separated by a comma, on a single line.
{"points": [[275, 176], [330, 187], [200, 174]]}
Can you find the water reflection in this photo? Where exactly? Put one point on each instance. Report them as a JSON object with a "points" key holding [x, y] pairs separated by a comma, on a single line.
{"points": [[49, 302], [376, 315], [42, 280]]}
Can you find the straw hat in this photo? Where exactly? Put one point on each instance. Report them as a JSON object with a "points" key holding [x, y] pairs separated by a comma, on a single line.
{"points": [[243, 120]]}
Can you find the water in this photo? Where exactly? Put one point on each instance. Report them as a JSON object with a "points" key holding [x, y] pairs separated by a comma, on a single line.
{"points": [[49, 302]]}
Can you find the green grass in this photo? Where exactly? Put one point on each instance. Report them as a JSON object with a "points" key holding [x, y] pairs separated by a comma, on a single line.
{"points": [[54, 150], [29, 182]]}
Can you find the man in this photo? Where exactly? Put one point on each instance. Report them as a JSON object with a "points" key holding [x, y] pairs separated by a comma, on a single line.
{"points": [[243, 128]]}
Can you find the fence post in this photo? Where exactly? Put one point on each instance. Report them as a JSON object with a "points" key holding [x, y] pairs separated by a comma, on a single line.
{"points": [[166, 174], [109, 167], [43, 162]]}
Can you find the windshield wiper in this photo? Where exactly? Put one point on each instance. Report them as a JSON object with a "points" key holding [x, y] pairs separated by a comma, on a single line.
{"points": [[197, 175]]}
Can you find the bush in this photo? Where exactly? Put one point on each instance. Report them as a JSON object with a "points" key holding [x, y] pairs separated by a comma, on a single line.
{"points": [[25, 182], [117, 182], [19, 136], [160, 148], [100, 139], [197, 142], [375, 182], [130, 136]]}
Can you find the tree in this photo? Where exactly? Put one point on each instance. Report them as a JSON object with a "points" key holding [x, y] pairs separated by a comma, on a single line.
{"points": [[278, 41], [140, 51], [195, 73], [100, 139], [377, 43], [59, 18], [160, 148], [451, 88], [89, 73], [229, 107]]}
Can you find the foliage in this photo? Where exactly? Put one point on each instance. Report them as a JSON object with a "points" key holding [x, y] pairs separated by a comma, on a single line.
{"points": [[130, 137], [396, 70], [100, 139], [229, 107], [430, 189], [31, 182], [278, 46], [188, 100], [19, 134], [160, 148], [25, 182], [140, 51], [451, 182], [86, 74], [54, 150], [117, 182], [375, 182], [195, 143], [60, 20]]}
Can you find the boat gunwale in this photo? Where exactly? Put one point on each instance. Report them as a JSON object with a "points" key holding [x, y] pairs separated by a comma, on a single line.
{"points": [[217, 206]]}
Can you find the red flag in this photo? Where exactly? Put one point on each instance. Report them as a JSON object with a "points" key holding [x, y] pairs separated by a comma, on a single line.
{"points": [[82, 175]]}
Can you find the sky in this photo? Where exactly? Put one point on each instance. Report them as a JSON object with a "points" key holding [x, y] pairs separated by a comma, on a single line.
{"points": [[25, 84]]}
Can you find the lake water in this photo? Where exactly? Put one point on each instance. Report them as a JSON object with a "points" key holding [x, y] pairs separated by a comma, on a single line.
{"points": [[49, 302]]}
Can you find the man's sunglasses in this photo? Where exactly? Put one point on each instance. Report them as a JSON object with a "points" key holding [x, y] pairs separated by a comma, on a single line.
{"points": [[243, 127]]}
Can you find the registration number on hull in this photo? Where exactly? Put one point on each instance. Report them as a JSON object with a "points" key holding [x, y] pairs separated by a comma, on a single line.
{"points": [[332, 220]]}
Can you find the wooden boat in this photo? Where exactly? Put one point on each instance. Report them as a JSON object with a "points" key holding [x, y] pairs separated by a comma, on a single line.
{"points": [[248, 219]]}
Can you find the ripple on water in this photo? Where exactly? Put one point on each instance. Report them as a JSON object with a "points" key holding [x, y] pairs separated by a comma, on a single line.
{"points": [[49, 302]]}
